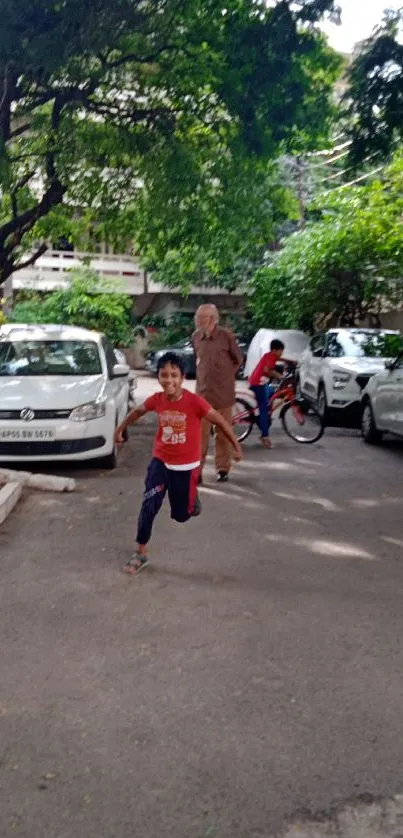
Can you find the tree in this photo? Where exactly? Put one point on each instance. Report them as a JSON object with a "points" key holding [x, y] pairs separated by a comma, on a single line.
{"points": [[87, 301], [215, 235], [206, 216], [375, 92], [348, 264], [90, 92]]}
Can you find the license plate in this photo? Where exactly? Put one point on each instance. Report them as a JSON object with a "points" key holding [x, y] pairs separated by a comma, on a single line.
{"points": [[27, 434]]}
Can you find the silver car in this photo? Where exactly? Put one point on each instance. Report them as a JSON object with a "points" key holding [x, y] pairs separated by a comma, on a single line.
{"points": [[382, 403]]}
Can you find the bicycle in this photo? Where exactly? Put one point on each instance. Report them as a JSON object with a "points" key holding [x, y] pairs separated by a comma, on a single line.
{"points": [[300, 419]]}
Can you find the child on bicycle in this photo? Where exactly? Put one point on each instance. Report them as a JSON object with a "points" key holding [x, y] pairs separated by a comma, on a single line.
{"points": [[259, 382], [175, 465]]}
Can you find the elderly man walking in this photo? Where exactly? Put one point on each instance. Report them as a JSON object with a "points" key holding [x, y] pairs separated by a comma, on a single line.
{"points": [[218, 358]]}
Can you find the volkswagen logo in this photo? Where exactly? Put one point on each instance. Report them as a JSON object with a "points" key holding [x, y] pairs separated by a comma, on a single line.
{"points": [[27, 414]]}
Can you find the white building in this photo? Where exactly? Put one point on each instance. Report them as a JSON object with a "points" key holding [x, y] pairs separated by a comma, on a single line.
{"points": [[51, 272]]}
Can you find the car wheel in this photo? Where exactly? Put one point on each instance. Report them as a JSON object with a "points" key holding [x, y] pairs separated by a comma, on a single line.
{"points": [[322, 403], [110, 461], [370, 432]]}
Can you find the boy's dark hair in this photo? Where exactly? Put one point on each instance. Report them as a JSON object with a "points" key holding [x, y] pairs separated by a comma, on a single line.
{"points": [[173, 359], [276, 345]]}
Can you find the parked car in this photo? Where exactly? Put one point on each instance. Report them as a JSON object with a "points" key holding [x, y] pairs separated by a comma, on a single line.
{"points": [[382, 403], [337, 366], [186, 351], [295, 342], [62, 393]]}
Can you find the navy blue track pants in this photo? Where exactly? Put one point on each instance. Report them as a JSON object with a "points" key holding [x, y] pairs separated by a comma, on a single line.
{"points": [[182, 492]]}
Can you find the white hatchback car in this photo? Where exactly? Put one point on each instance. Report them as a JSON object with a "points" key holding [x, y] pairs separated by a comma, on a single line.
{"points": [[382, 403], [62, 393], [337, 366]]}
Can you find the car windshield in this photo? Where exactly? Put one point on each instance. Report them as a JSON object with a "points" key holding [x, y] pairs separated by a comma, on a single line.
{"points": [[49, 357], [365, 344]]}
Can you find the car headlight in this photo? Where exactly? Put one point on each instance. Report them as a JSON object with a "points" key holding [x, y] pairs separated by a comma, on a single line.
{"points": [[92, 410], [340, 379]]}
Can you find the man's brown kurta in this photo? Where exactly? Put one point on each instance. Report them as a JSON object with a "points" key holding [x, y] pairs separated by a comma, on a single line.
{"points": [[218, 358]]}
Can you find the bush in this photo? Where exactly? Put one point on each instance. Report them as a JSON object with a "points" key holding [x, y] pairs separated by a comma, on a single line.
{"points": [[87, 302], [178, 329]]}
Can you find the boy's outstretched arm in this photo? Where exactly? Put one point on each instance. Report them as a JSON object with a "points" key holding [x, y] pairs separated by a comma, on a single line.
{"points": [[216, 419], [130, 419], [272, 373]]}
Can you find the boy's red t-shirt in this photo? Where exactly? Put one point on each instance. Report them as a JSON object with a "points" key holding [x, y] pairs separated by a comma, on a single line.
{"points": [[269, 360], [178, 439]]}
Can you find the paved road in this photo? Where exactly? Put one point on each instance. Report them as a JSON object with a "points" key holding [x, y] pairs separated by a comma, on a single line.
{"points": [[256, 672]]}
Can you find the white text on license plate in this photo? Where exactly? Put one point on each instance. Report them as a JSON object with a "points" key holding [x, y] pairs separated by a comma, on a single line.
{"points": [[27, 434]]}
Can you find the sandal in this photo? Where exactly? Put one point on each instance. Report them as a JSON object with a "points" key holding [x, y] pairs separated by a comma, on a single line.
{"points": [[136, 564], [266, 442]]}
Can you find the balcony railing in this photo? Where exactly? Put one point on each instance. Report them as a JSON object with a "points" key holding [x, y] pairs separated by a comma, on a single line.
{"points": [[51, 272]]}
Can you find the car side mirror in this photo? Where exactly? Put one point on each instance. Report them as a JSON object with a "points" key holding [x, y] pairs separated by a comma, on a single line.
{"points": [[390, 365], [120, 371], [317, 353]]}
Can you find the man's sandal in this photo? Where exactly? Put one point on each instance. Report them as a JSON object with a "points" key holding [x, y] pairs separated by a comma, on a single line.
{"points": [[135, 565]]}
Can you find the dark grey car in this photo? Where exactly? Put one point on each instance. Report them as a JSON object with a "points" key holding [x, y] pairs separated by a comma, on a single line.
{"points": [[185, 350]]}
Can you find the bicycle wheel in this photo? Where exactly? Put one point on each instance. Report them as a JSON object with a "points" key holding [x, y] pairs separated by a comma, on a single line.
{"points": [[302, 422], [243, 419]]}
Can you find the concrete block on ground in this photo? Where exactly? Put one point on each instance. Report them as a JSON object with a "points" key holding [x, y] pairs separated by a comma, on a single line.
{"points": [[380, 819], [44, 482], [9, 496]]}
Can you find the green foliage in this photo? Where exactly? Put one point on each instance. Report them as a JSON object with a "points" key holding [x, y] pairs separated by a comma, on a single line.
{"points": [[205, 81], [212, 226], [384, 346], [208, 210], [3, 318], [153, 321], [375, 93], [348, 264], [87, 301], [179, 328]]}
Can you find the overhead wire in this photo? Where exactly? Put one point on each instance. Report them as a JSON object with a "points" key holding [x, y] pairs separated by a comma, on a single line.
{"points": [[357, 180]]}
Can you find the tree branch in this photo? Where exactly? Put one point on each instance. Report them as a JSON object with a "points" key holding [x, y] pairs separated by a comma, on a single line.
{"points": [[136, 59], [5, 85], [32, 259], [14, 191], [5, 104], [24, 222], [20, 130]]}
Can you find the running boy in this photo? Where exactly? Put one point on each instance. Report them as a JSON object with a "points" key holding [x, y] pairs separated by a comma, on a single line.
{"points": [[259, 383], [175, 465]]}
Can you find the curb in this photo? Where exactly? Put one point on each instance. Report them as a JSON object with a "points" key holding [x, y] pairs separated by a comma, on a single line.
{"points": [[9, 497]]}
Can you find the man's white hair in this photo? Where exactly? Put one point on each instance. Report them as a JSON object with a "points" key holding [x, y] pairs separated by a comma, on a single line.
{"points": [[210, 309]]}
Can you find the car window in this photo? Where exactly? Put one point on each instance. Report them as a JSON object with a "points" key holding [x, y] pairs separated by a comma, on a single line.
{"points": [[49, 357], [362, 343], [334, 348], [110, 356], [317, 345]]}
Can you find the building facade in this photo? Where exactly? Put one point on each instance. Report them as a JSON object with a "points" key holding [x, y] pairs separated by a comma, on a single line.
{"points": [[52, 272]]}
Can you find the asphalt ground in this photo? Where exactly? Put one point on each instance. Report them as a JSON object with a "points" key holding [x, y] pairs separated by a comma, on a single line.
{"points": [[251, 679]]}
